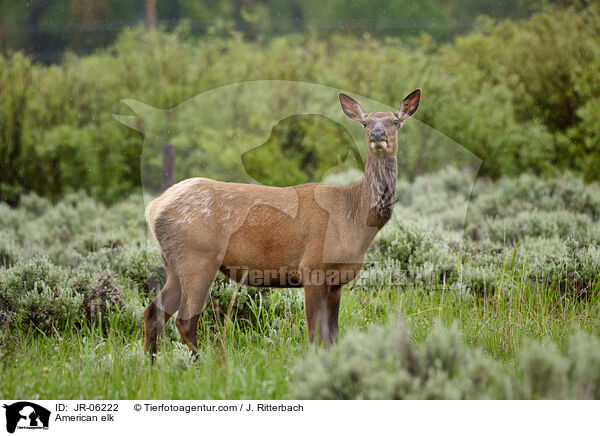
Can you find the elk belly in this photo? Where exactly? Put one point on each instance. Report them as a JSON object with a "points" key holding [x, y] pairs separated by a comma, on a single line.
{"points": [[266, 248]]}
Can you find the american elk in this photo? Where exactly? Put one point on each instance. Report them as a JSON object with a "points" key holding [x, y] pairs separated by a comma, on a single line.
{"points": [[313, 236]]}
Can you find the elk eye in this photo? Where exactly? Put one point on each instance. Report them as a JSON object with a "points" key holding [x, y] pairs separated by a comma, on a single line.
{"points": [[396, 122], [364, 123]]}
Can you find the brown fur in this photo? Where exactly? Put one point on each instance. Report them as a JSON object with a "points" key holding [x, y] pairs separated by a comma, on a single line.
{"points": [[290, 235]]}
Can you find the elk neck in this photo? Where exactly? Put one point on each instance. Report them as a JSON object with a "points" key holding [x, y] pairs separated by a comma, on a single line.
{"points": [[376, 191]]}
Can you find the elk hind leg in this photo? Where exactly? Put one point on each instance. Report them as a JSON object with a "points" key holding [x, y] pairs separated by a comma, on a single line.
{"points": [[160, 310], [195, 286]]}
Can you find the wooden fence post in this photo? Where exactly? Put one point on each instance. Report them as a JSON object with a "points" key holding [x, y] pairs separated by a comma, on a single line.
{"points": [[150, 14]]}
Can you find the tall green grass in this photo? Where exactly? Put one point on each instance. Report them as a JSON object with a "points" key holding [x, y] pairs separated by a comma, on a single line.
{"points": [[259, 359]]}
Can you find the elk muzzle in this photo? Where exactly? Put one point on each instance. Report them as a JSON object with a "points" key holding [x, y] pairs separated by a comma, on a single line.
{"points": [[378, 140]]}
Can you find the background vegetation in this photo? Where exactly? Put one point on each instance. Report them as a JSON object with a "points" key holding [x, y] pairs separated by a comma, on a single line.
{"points": [[523, 96], [46, 28]]}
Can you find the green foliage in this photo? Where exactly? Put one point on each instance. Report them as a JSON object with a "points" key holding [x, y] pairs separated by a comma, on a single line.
{"points": [[83, 25], [549, 62], [101, 295], [549, 374], [584, 375], [521, 96], [314, 142], [36, 294], [525, 228], [9, 248], [421, 253], [16, 91], [384, 363], [46, 298], [545, 372]]}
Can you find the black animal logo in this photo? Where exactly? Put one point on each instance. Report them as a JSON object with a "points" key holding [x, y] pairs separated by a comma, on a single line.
{"points": [[26, 414]]}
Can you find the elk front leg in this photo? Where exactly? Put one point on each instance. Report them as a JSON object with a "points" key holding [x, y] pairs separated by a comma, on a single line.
{"points": [[315, 300], [334, 295]]}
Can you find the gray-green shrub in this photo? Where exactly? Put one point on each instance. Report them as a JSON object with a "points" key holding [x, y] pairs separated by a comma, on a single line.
{"points": [[385, 363], [44, 297]]}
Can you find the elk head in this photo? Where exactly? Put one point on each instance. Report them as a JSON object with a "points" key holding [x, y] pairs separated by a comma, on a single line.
{"points": [[381, 128]]}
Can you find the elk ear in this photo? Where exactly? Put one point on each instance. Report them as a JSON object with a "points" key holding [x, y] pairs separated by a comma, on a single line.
{"points": [[351, 108], [409, 105]]}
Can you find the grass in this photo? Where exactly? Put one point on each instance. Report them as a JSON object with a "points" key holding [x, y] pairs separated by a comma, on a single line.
{"points": [[259, 360]]}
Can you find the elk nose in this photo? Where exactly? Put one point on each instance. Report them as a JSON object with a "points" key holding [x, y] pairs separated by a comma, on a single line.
{"points": [[377, 135]]}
